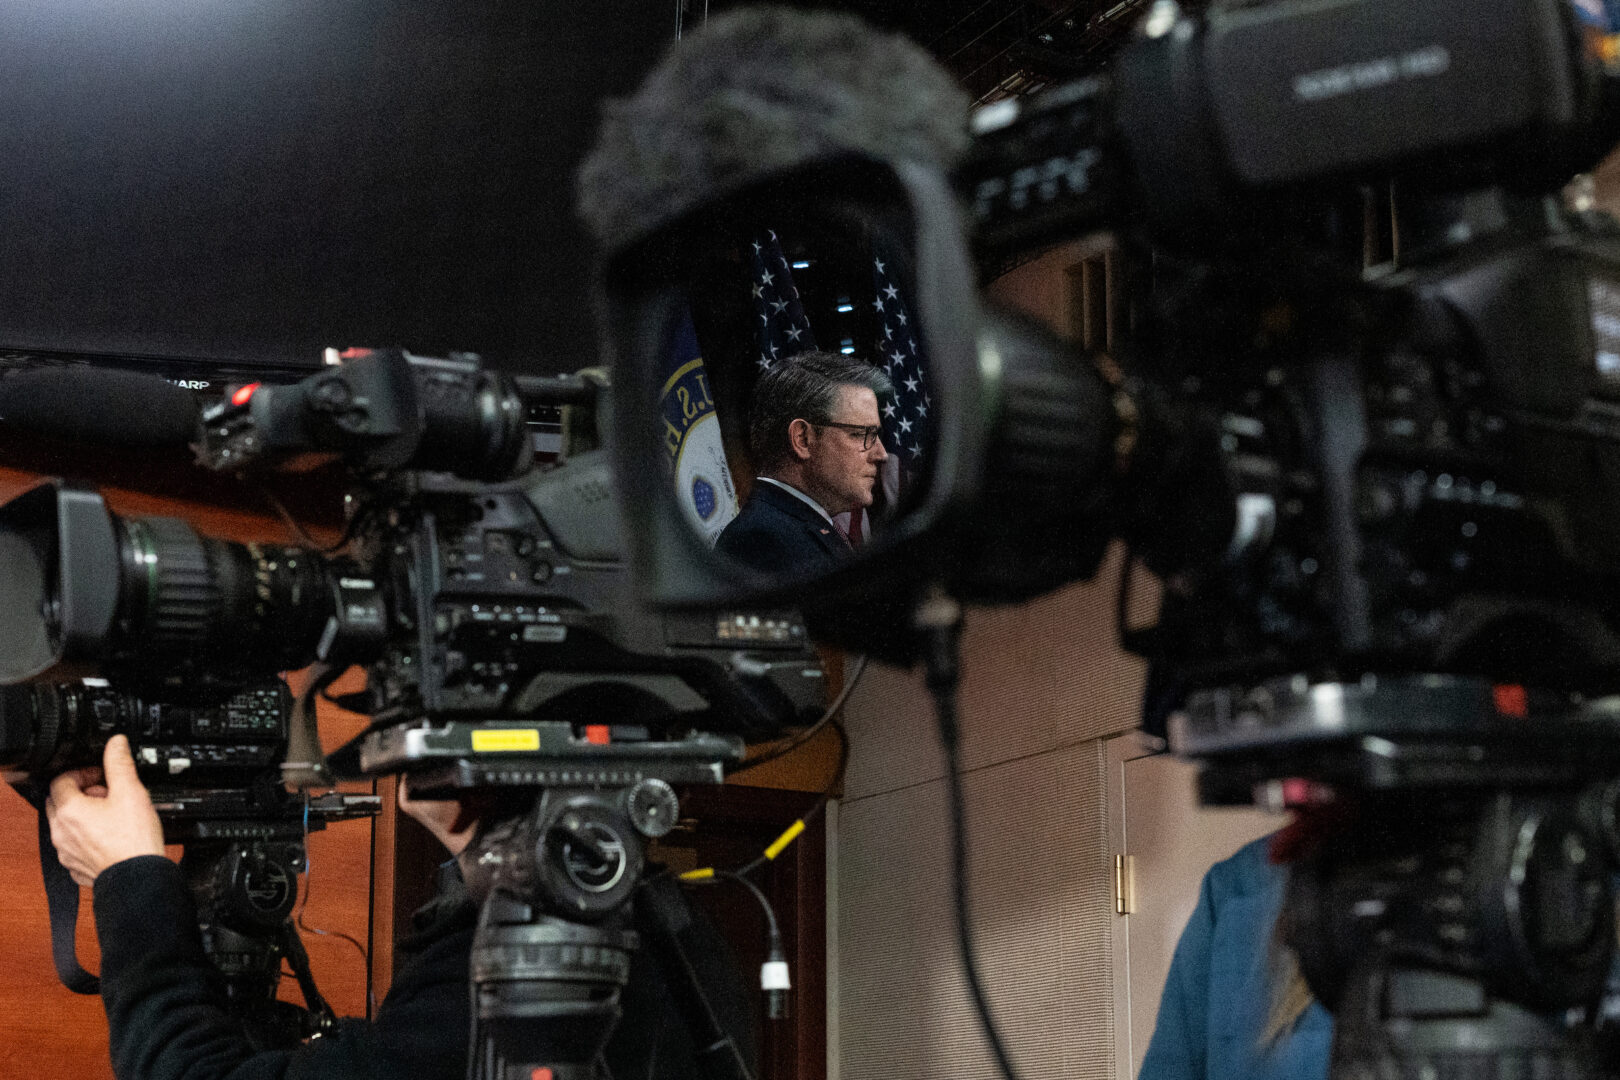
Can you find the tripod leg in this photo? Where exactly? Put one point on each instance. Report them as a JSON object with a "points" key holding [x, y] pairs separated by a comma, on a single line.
{"points": [[666, 917], [320, 1013]]}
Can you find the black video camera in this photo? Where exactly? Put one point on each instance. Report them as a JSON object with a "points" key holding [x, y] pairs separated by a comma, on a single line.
{"points": [[213, 770], [1378, 492], [469, 599], [504, 648], [47, 729]]}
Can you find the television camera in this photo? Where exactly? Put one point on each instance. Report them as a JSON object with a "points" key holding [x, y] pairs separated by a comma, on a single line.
{"points": [[213, 768], [1378, 493], [504, 650]]}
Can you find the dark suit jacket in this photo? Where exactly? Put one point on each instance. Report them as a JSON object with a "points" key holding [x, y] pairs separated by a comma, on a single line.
{"points": [[777, 533]]}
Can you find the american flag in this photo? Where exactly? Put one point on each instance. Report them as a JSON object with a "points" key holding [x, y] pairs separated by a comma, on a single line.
{"points": [[780, 320], [905, 416]]}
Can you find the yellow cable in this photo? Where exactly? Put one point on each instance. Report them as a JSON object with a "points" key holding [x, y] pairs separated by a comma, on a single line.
{"points": [[785, 839], [790, 834]]}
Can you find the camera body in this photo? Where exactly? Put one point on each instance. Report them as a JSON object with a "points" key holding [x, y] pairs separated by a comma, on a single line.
{"points": [[469, 600], [511, 601], [213, 768], [49, 728], [1410, 474]]}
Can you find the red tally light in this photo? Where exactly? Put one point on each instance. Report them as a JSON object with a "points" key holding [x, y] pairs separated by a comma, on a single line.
{"points": [[243, 394], [1511, 700], [598, 734], [1297, 791], [540, 1073]]}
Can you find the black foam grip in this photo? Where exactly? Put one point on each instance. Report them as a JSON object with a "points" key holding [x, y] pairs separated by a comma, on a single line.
{"points": [[99, 407]]}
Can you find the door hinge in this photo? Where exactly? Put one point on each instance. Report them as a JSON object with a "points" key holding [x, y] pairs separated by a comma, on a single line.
{"points": [[1124, 884]]}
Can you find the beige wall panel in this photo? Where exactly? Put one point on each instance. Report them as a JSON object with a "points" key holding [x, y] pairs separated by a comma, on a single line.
{"points": [[1174, 842], [1041, 892], [1035, 677], [1041, 287]]}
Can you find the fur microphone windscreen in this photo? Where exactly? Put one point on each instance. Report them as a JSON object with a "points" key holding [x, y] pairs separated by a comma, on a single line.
{"points": [[758, 91]]}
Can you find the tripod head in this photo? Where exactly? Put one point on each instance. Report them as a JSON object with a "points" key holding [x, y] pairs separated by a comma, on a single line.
{"points": [[243, 875], [555, 880]]}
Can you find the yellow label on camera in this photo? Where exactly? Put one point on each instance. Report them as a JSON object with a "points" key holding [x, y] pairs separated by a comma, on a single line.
{"points": [[504, 741]]}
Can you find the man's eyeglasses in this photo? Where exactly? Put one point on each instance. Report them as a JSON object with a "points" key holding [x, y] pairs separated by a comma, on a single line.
{"points": [[869, 435]]}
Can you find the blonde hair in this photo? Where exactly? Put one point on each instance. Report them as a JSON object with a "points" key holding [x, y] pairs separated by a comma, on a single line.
{"points": [[1290, 996]]}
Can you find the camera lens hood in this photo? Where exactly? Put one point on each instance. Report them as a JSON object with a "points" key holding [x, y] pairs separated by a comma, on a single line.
{"points": [[58, 581]]}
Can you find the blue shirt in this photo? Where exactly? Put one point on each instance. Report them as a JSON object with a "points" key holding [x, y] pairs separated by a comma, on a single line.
{"points": [[1217, 997]]}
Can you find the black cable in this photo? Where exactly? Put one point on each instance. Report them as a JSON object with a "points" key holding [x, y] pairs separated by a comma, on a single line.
{"points": [[349, 529], [775, 955], [773, 930], [810, 815], [939, 619], [773, 975], [814, 729]]}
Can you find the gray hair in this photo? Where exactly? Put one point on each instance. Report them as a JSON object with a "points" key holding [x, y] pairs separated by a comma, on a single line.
{"points": [[803, 387]]}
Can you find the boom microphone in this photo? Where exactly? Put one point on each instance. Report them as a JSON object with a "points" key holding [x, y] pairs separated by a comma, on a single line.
{"points": [[757, 92], [99, 407]]}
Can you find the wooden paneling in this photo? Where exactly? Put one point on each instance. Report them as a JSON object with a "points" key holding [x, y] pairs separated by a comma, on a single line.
{"points": [[339, 885], [47, 1032]]}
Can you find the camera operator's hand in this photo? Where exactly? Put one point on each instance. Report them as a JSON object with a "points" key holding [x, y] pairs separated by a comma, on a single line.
{"points": [[102, 816]]}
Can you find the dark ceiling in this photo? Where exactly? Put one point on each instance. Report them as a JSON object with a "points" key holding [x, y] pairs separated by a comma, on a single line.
{"points": [[996, 48]]}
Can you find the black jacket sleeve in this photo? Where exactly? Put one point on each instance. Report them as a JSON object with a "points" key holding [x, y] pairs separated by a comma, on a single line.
{"points": [[163, 996]]}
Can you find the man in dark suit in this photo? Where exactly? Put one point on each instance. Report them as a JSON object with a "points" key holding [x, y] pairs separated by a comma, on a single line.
{"points": [[815, 434]]}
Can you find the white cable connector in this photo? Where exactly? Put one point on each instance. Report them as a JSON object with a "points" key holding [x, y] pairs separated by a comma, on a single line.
{"points": [[773, 975]]}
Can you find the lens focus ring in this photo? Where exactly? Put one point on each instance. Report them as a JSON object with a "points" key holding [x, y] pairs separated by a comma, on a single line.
{"points": [[182, 593]]}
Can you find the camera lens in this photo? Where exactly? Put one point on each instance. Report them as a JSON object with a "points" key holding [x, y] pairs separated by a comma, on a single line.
{"points": [[192, 604], [42, 732], [147, 602], [18, 727]]}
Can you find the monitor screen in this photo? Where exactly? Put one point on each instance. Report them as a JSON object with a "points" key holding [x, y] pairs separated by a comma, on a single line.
{"points": [[257, 180]]}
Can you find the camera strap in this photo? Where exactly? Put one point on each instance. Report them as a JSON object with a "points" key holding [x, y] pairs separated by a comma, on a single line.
{"points": [[62, 901]]}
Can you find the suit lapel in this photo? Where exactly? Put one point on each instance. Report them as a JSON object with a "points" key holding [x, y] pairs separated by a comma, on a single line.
{"points": [[822, 531]]}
